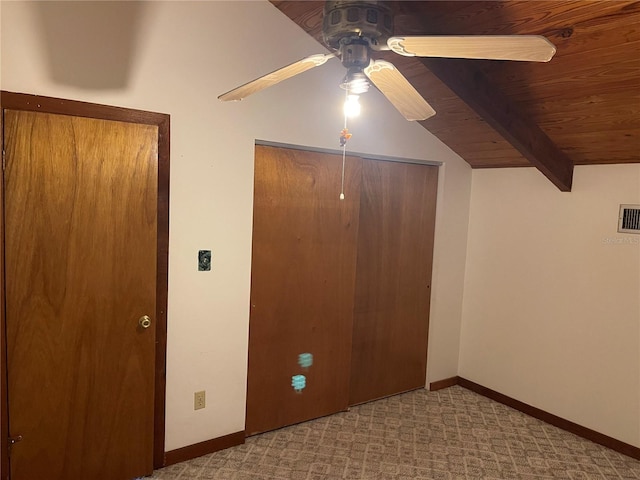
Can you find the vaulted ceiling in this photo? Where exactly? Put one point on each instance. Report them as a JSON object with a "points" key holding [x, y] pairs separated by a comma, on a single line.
{"points": [[581, 108]]}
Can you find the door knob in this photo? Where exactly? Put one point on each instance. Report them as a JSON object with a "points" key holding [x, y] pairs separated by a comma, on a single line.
{"points": [[145, 321]]}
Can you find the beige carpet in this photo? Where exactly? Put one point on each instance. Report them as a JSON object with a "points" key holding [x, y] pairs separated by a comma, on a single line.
{"points": [[449, 434]]}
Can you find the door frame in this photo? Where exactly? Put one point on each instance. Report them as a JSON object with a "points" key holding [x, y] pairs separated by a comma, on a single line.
{"points": [[34, 103]]}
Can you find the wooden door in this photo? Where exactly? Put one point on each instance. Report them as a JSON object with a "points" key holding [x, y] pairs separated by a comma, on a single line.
{"points": [[80, 251], [395, 249], [302, 285]]}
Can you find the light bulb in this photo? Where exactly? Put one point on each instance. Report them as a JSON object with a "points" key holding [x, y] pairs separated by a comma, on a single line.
{"points": [[352, 106]]}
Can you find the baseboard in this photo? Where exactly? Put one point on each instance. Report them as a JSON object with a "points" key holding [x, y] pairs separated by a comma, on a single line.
{"points": [[440, 384], [579, 430], [233, 439], [203, 448]]}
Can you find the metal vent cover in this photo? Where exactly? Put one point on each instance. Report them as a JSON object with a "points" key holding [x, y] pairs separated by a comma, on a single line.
{"points": [[629, 219]]}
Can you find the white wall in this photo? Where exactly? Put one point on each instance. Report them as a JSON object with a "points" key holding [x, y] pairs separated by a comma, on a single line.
{"points": [[186, 54], [551, 310]]}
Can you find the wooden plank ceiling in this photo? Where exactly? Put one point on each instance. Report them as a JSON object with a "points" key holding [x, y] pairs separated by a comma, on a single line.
{"points": [[581, 108]]}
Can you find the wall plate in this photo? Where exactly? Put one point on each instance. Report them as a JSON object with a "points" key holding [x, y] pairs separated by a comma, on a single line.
{"points": [[204, 260]]}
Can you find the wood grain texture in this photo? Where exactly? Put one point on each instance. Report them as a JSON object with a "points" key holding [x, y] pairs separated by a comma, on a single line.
{"points": [[395, 87], [162, 283], [26, 102], [4, 413], [81, 233], [302, 285], [36, 103], [275, 77], [578, 99], [504, 117], [533, 48], [395, 249]]}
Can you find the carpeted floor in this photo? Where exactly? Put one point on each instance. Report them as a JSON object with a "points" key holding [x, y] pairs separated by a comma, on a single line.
{"points": [[449, 434]]}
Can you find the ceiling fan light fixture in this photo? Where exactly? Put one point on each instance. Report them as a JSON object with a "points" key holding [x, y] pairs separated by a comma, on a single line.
{"points": [[355, 28], [352, 106], [355, 81]]}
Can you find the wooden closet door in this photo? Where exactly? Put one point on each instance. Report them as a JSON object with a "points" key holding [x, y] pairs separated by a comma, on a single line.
{"points": [[302, 285], [395, 249]]}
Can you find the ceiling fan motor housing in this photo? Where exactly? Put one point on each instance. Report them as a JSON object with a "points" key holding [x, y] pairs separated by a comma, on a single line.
{"points": [[347, 21], [355, 54]]}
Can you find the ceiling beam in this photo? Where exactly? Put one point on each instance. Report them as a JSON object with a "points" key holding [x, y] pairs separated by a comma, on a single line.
{"points": [[473, 87]]}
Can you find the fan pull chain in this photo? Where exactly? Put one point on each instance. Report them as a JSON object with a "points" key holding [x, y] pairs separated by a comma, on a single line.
{"points": [[344, 136], [344, 153]]}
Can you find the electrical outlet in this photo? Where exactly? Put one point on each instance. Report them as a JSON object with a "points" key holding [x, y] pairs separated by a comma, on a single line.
{"points": [[198, 400]]}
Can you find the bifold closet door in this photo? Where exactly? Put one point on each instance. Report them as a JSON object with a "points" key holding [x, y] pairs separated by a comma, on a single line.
{"points": [[395, 249], [302, 286]]}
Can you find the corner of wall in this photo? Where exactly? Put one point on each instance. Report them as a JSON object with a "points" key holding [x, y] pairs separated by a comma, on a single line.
{"points": [[450, 250], [551, 312]]}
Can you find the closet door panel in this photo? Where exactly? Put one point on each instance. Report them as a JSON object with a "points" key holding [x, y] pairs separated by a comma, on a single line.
{"points": [[302, 286], [395, 249]]}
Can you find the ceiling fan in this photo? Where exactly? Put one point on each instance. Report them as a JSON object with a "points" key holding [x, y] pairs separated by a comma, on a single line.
{"points": [[353, 29]]}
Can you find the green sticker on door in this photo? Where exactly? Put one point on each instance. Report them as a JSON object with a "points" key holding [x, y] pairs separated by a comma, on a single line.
{"points": [[298, 382], [305, 360]]}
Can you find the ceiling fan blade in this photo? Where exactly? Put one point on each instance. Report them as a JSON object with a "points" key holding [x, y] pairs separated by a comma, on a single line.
{"points": [[398, 90], [276, 76], [528, 48]]}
